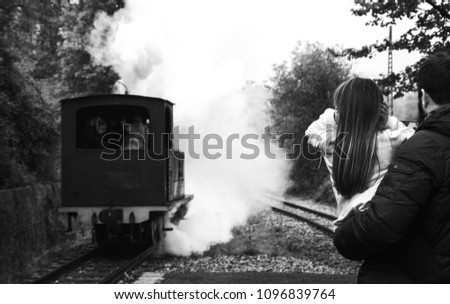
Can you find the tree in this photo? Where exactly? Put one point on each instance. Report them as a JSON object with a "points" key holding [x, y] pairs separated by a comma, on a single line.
{"points": [[42, 59], [430, 34], [29, 132], [302, 90], [78, 74], [31, 36], [28, 128], [47, 39]]}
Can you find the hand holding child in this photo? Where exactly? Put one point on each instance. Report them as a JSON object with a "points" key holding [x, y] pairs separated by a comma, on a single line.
{"points": [[384, 115]]}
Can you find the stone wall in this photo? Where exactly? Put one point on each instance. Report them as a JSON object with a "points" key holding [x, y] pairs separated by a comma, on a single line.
{"points": [[30, 227]]}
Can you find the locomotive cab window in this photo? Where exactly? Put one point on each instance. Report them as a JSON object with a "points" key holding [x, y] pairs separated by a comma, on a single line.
{"points": [[113, 127]]}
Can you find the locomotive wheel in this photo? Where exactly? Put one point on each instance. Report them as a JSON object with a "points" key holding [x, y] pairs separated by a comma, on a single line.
{"points": [[134, 232], [149, 233], [100, 233], [154, 232], [153, 229], [159, 228]]}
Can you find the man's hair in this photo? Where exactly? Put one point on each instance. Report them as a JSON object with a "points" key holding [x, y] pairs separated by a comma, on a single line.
{"points": [[434, 77]]}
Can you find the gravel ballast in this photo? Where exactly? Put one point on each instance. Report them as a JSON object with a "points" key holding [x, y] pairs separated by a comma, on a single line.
{"points": [[269, 242]]}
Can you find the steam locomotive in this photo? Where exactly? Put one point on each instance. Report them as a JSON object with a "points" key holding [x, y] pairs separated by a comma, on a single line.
{"points": [[120, 171]]}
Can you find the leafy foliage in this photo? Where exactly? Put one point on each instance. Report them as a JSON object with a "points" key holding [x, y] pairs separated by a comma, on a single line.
{"points": [[48, 40], [430, 34], [42, 59], [28, 127], [302, 90], [78, 74]]}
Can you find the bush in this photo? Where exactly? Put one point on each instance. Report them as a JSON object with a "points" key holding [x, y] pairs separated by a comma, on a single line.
{"points": [[29, 141], [302, 90]]}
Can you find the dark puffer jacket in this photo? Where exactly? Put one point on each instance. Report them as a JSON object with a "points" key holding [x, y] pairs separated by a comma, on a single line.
{"points": [[414, 197]]}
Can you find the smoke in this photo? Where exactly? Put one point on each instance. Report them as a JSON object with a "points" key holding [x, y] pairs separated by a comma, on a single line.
{"points": [[202, 62]]}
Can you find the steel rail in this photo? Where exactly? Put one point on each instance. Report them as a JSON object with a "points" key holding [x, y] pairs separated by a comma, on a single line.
{"points": [[306, 209], [118, 274], [311, 222], [54, 274], [316, 225]]}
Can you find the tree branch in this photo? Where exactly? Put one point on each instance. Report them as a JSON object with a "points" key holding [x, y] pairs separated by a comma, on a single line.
{"points": [[440, 9]]}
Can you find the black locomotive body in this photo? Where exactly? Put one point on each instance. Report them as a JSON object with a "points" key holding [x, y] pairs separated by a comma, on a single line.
{"points": [[120, 171]]}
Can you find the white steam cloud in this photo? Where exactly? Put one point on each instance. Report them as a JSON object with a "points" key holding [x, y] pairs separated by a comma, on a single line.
{"points": [[202, 62]]}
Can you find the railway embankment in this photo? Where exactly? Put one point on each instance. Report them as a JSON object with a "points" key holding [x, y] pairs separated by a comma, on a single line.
{"points": [[31, 228]]}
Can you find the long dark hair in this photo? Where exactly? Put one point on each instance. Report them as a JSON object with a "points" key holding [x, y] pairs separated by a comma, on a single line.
{"points": [[357, 102]]}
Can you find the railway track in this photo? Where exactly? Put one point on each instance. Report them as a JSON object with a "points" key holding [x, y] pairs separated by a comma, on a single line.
{"points": [[106, 264], [109, 263], [320, 220]]}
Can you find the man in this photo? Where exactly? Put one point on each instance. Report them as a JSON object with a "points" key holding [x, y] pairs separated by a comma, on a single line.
{"points": [[414, 196]]}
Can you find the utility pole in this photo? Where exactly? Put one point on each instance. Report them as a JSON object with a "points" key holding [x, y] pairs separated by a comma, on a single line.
{"points": [[390, 71]]}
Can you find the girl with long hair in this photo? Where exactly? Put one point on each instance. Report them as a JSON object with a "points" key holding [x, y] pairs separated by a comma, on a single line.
{"points": [[358, 140]]}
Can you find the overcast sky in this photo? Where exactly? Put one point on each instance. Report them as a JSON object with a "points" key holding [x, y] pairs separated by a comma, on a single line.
{"points": [[251, 35], [327, 21]]}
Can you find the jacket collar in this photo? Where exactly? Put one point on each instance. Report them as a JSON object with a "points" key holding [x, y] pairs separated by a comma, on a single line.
{"points": [[437, 121]]}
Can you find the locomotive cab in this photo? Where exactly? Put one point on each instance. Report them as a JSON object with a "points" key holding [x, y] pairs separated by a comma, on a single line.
{"points": [[120, 171]]}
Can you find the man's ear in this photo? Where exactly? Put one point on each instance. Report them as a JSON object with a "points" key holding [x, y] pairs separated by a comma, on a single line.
{"points": [[424, 98], [422, 113]]}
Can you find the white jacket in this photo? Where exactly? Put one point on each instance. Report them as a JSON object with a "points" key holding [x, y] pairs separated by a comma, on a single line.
{"points": [[322, 134]]}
